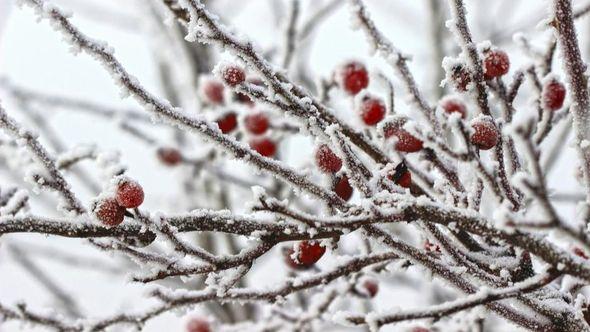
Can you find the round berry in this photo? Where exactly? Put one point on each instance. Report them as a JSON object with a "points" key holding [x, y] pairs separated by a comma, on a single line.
{"points": [[553, 95], [327, 161], [233, 75], [129, 194], [460, 77], [264, 146], [369, 287], [496, 63], [228, 122], [198, 324], [372, 110], [453, 105], [406, 142], [307, 254], [485, 133], [401, 176], [256, 123], [109, 212], [352, 77], [212, 91], [169, 156], [342, 187]]}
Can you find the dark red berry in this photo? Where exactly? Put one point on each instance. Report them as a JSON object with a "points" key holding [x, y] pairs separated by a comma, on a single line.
{"points": [[579, 252], [327, 161], [496, 63], [109, 212], [485, 133], [460, 77], [352, 77], [406, 142], [370, 287], [198, 324], [213, 91], [372, 110], [129, 194], [264, 146], [243, 98], [553, 95], [308, 253], [169, 156], [233, 75], [256, 123], [401, 176], [342, 187], [453, 105], [228, 122]]}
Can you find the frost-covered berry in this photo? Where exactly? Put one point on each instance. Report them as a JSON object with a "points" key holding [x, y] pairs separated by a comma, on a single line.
{"points": [[327, 161], [406, 142], [129, 194], [233, 75], [169, 156], [352, 77], [485, 133], [198, 324], [307, 254], [109, 212], [212, 91], [256, 123], [401, 176], [368, 287], [460, 77], [495, 64], [228, 122], [553, 95], [453, 105], [265, 146], [342, 187], [372, 110]]}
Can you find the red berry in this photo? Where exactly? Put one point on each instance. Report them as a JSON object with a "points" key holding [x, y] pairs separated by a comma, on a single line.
{"points": [[496, 63], [352, 77], [327, 161], [370, 287], [212, 91], [169, 156], [401, 176], [485, 133], [460, 77], [129, 194], [233, 75], [406, 142], [342, 187], [109, 212], [579, 252], [228, 122], [257, 123], [198, 324], [264, 146], [553, 95], [243, 98], [452, 105], [372, 110], [308, 253]]}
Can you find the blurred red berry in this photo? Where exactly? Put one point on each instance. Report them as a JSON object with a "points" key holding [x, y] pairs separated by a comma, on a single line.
{"points": [[213, 91], [256, 123], [452, 105], [169, 156], [370, 287], [228, 122], [372, 110], [496, 63], [233, 75], [401, 176], [485, 133], [327, 161], [406, 142], [342, 187], [198, 324], [308, 253], [553, 95], [109, 212], [264, 146], [579, 252], [129, 194], [352, 77]]}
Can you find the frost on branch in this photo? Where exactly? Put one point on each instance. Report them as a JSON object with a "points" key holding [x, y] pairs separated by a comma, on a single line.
{"points": [[281, 199]]}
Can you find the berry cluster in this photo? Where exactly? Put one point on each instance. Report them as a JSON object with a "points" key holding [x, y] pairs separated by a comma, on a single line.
{"points": [[110, 210]]}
